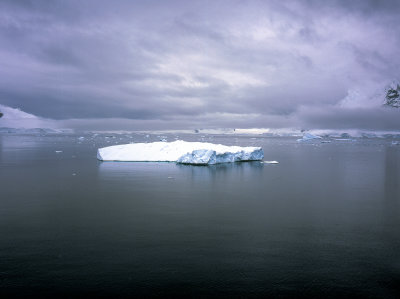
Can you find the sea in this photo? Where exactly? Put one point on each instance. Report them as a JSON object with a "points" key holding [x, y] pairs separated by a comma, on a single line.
{"points": [[323, 222]]}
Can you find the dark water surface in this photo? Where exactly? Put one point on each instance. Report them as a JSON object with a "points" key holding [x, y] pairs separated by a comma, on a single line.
{"points": [[325, 221]]}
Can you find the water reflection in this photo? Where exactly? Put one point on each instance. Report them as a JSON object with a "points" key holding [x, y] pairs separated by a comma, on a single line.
{"points": [[154, 170], [392, 186], [15, 148]]}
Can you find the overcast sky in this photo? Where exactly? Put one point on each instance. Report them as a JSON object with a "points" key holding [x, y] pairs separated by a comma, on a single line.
{"points": [[201, 64]]}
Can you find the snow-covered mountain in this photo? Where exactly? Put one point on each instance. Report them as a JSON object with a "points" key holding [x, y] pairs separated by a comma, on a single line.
{"points": [[373, 95], [392, 95], [15, 118]]}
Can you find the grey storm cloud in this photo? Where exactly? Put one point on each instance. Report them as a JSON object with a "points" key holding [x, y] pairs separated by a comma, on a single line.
{"points": [[185, 64]]}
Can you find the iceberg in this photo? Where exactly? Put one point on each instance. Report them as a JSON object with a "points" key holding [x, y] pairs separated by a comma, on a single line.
{"points": [[195, 153], [308, 137]]}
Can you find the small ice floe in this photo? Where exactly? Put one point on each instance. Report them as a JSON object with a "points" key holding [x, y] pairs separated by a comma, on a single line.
{"points": [[270, 162], [163, 140], [368, 135], [196, 153], [74, 174], [81, 138], [395, 142], [308, 137], [58, 152], [326, 141]]}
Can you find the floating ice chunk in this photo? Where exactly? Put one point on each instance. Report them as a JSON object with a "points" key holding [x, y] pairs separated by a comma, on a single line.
{"points": [[308, 137], [58, 152], [368, 135], [395, 142], [197, 153], [81, 138], [270, 162]]}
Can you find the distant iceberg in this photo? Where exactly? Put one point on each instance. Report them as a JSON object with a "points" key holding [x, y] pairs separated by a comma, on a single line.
{"points": [[196, 153], [308, 137]]}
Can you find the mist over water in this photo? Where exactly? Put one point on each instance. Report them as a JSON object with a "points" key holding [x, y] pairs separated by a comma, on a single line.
{"points": [[324, 221]]}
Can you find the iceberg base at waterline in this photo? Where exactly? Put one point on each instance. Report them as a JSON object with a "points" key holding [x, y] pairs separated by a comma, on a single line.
{"points": [[195, 153]]}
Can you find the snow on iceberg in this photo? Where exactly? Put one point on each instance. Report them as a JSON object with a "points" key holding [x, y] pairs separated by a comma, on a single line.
{"points": [[196, 153], [308, 136]]}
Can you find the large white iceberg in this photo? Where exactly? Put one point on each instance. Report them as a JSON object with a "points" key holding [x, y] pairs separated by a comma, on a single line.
{"points": [[197, 153]]}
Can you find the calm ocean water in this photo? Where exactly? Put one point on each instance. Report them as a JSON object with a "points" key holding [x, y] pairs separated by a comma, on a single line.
{"points": [[325, 221]]}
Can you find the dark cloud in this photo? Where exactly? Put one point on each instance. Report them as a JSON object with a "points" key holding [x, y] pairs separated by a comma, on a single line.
{"points": [[199, 63]]}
